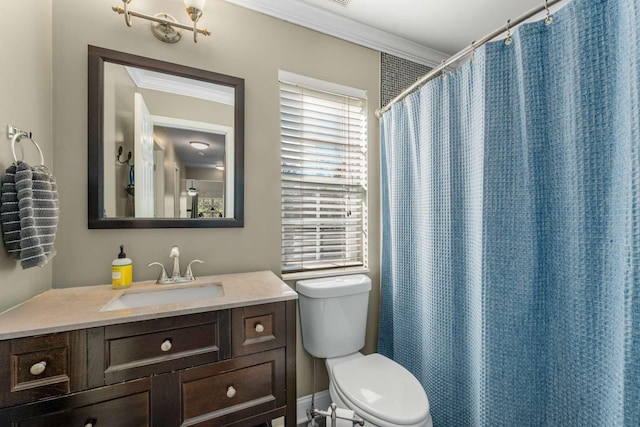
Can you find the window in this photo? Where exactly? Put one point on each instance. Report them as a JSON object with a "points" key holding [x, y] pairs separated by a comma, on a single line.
{"points": [[323, 129], [210, 207]]}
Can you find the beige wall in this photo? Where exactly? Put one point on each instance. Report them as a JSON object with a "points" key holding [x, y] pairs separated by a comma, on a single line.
{"points": [[244, 44], [25, 101]]}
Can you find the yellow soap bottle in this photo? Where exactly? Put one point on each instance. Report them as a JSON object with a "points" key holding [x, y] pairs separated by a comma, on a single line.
{"points": [[121, 271]]}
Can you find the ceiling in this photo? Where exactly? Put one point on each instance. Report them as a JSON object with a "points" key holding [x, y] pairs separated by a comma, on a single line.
{"points": [[207, 158], [425, 31]]}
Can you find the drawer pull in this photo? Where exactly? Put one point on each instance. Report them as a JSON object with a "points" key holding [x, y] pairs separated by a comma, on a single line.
{"points": [[166, 345], [38, 368], [231, 392], [259, 328], [90, 422]]}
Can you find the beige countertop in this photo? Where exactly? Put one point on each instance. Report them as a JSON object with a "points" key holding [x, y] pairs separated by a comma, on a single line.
{"points": [[66, 309]]}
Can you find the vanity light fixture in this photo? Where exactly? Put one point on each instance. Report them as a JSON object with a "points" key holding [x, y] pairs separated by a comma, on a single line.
{"points": [[199, 145], [163, 25]]}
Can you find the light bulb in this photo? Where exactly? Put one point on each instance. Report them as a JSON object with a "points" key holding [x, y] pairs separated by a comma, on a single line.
{"points": [[196, 4]]}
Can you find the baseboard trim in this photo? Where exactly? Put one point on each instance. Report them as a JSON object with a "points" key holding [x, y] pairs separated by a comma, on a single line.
{"points": [[322, 401]]}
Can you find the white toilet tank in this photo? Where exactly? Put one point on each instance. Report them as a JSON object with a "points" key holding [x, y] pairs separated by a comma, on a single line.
{"points": [[333, 314]]}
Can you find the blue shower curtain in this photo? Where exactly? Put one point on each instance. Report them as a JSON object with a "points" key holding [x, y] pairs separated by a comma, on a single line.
{"points": [[511, 227]]}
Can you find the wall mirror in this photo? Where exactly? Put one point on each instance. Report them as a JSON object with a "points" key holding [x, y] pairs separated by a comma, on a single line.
{"points": [[166, 144]]}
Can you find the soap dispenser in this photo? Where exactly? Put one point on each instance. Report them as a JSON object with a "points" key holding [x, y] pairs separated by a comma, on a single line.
{"points": [[121, 271]]}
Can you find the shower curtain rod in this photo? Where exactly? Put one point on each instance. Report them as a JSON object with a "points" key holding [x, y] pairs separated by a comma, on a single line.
{"points": [[464, 52]]}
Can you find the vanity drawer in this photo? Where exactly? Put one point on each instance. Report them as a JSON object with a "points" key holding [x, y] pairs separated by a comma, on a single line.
{"points": [[258, 328], [127, 404], [233, 390], [134, 350], [42, 366]]}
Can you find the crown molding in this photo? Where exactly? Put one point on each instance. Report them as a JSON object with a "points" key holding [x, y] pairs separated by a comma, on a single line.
{"points": [[178, 85], [327, 22]]}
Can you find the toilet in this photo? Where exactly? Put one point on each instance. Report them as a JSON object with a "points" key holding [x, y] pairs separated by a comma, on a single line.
{"points": [[333, 317]]}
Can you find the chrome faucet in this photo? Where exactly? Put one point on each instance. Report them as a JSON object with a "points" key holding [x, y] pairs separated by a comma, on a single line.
{"points": [[175, 254], [175, 274]]}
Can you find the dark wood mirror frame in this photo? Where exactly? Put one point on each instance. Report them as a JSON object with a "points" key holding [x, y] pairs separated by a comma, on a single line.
{"points": [[97, 58]]}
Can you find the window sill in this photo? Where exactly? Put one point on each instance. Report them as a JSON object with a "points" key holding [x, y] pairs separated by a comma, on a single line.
{"points": [[324, 273]]}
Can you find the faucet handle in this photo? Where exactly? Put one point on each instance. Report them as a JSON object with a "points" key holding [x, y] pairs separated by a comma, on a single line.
{"points": [[188, 274], [163, 274]]}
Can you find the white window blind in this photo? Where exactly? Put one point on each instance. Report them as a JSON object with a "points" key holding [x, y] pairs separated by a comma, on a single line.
{"points": [[323, 179]]}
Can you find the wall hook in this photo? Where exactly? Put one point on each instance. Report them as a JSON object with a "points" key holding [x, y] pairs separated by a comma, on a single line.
{"points": [[126, 162]]}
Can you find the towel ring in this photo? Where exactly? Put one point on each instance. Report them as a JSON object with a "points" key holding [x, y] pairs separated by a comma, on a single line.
{"points": [[17, 137]]}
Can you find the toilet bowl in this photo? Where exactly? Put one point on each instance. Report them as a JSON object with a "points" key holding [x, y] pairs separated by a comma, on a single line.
{"points": [[333, 313], [379, 390]]}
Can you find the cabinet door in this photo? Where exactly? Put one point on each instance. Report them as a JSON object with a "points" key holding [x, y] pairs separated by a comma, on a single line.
{"points": [[122, 405], [233, 390], [42, 366], [258, 328]]}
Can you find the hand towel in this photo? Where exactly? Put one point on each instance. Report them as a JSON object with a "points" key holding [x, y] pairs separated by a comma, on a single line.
{"points": [[38, 211], [9, 215]]}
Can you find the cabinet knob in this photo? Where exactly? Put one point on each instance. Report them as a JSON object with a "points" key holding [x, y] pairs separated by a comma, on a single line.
{"points": [[166, 345], [90, 422], [231, 391], [259, 328], [88, 425], [38, 368]]}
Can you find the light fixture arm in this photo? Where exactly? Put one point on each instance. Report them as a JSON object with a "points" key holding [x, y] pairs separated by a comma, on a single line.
{"points": [[127, 15], [192, 12], [195, 15]]}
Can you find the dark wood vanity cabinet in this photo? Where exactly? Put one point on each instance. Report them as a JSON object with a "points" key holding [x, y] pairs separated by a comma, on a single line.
{"points": [[218, 368]]}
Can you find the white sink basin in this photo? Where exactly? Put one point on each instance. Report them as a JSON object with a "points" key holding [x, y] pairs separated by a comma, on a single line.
{"points": [[164, 296]]}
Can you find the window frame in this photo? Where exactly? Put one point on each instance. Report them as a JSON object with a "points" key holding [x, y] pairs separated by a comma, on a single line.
{"points": [[331, 90]]}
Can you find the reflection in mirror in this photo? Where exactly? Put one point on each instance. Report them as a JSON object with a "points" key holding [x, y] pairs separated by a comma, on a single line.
{"points": [[170, 150]]}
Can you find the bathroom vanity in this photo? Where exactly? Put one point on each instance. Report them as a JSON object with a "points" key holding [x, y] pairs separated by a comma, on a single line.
{"points": [[228, 360]]}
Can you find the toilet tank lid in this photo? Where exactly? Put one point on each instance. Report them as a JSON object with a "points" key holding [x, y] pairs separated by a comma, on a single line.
{"points": [[330, 287]]}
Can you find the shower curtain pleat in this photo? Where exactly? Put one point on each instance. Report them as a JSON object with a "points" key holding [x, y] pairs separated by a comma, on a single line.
{"points": [[511, 198]]}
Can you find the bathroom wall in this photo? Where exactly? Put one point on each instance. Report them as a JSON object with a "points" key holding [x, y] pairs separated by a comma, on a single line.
{"points": [[397, 74], [244, 44], [25, 102]]}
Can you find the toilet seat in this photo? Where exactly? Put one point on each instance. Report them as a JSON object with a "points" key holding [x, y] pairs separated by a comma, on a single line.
{"points": [[377, 422], [381, 390]]}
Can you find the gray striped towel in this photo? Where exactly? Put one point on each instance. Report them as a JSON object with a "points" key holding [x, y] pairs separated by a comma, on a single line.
{"points": [[35, 191], [9, 215]]}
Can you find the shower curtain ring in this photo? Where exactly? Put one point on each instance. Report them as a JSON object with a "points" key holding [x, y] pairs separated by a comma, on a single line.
{"points": [[508, 40], [444, 71], [549, 18], [473, 52]]}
